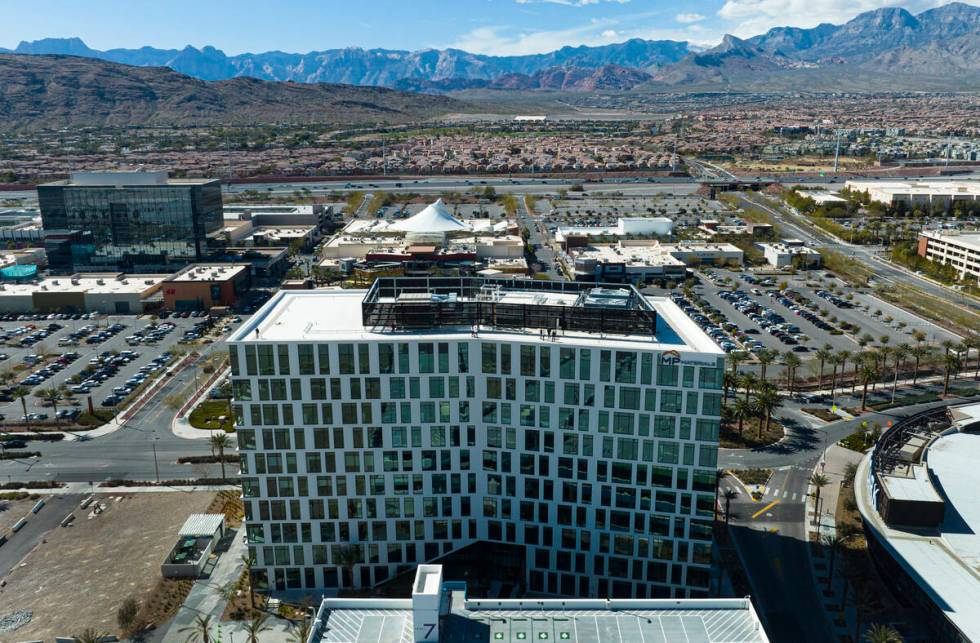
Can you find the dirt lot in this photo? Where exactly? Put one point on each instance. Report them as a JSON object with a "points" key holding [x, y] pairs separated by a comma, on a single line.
{"points": [[13, 510], [96, 563]]}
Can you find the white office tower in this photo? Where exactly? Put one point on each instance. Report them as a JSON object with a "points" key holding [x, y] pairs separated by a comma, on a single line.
{"points": [[386, 428]]}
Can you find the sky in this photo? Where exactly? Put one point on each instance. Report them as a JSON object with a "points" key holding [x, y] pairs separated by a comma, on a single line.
{"points": [[501, 27]]}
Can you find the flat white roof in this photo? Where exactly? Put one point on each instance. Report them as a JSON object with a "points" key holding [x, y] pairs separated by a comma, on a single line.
{"points": [[945, 562], [968, 239], [335, 315], [209, 272], [917, 487], [105, 284], [201, 524]]}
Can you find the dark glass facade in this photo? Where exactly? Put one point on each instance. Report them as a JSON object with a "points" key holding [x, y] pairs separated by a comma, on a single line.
{"points": [[133, 228]]}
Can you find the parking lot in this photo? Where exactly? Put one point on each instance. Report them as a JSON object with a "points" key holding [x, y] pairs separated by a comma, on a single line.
{"points": [[99, 357], [749, 312]]}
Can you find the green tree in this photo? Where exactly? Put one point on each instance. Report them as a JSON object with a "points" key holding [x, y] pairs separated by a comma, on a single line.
{"points": [[220, 442], [741, 410], [901, 353], [256, 626], [819, 481], [749, 382], [822, 355], [126, 615], [918, 352], [21, 392], [792, 362], [765, 357], [878, 633], [51, 395], [729, 495], [768, 400], [951, 363], [199, 631]]}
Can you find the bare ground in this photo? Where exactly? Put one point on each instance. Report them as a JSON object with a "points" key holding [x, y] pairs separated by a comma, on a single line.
{"points": [[79, 576]]}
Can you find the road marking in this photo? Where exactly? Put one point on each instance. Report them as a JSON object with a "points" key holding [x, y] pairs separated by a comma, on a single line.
{"points": [[794, 496], [765, 509], [765, 491], [775, 493]]}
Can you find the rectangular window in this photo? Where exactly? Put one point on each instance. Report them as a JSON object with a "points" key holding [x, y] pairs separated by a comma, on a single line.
{"points": [[666, 375], [527, 361], [323, 358], [505, 359], [489, 358], [670, 401], [443, 357], [463, 357], [363, 358], [629, 398], [605, 363], [646, 369], [711, 378], [566, 363], [305, 354], [386, 359], [267, 362], [427, 358], [345, 355], [626, 367], [283, 350], [585, 364], [545, 362]]}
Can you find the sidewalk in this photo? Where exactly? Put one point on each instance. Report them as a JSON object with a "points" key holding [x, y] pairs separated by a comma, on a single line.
{"points": [[830, 590], [205, 599], [181, 425]]}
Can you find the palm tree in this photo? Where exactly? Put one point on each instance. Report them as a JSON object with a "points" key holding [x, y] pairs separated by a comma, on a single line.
{"points": [[765, 357], [879, 633], [199, 631], [819, 481], [247, 561], [833, 545], [89, 635], [901, 352], [835, 361], [219, 442], [868, 374], [348, 557], [734, 359], [768, 400], [822, 356], [729, 495], [951, 362], [974, 342], [300, 632], [883, 353], [255, 627], [729, 382], [52, 395], [947, 345], [792, 362], [749, 380], [22, 392], [741, 409], [918, 352]]}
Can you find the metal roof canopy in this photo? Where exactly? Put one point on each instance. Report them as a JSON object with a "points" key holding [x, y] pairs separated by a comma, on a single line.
{"points": [[202, 525]]}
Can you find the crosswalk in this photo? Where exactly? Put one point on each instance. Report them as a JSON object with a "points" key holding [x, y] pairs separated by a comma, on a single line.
{"points": [[775, 493]]}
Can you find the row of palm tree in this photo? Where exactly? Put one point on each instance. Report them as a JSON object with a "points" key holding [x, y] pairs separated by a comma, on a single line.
{"points": [[766, 401], [200, 631]]}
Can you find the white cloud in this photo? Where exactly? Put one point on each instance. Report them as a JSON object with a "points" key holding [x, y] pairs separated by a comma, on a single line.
{"points": [[751, 17], [688, 18], [609, 33]]}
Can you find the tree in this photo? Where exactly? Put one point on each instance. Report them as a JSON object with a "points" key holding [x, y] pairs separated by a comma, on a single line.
{"points": [[300, 632], [89, 635], [741, 410], [835, 361], [822, 356], [348, 557], [749, 381], [219, 442], [901, 353], [199, 631], [792, 362], [868, 374], [819, 481], [918, 352], [729, 382], [247, 561], [833, 544], [734, 359], [951, 363], [256, 626], [729, 495], [768, 400], [765, 357], [22, 392], [52, 395], [126, 615], [879, 633]]}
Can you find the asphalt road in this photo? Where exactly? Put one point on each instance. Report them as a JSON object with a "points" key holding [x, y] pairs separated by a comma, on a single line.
{"points": [[125, 454], [49, 517]]}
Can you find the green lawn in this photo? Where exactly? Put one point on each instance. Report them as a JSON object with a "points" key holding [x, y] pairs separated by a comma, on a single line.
{"points": [[205, 415]]}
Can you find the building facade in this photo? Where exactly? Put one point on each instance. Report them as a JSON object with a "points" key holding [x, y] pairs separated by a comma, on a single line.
{"points": [[395, 426], [957, 249], [129, 221], [203, 286]]}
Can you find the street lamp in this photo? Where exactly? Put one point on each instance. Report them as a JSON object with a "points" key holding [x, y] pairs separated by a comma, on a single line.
{"points": [[156, 464]]}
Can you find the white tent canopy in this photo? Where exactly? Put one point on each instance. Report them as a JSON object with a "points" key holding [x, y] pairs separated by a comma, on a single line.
{"points": [[434, 218]]}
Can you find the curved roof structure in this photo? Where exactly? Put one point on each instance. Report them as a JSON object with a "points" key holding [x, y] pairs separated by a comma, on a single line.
{"points": [[434, 218]]}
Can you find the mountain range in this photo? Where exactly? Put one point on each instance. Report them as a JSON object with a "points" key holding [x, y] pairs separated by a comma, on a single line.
{"points": [[938, 48], [70, 91]]}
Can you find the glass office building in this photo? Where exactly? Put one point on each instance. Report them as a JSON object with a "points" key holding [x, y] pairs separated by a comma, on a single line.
{"points": [[129, 221]]}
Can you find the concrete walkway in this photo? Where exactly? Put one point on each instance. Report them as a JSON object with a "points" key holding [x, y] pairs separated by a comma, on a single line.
{"points": [[830, 590], [205, 599]]}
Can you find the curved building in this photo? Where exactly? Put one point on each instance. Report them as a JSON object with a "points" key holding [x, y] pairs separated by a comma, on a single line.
{"points": [[917, 494]]}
